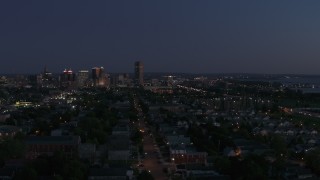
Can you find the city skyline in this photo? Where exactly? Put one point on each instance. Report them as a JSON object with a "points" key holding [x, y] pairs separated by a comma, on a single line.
{"points": [[160, 90], [195, 37]]}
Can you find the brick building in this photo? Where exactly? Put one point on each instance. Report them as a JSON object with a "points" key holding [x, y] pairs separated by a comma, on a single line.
{"points": [[187, 155], [39, 145]]}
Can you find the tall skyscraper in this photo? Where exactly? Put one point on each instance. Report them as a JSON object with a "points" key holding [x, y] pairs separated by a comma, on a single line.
{"points": [[138, 72], [99, 77], [67, 78], [83, 78], [45, 79]]}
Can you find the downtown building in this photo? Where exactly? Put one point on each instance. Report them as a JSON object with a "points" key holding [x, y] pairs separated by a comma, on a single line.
{"points": [[138, 73], [83, 78], [68, 79], [99, 77], [121, 80], [45, 79]]}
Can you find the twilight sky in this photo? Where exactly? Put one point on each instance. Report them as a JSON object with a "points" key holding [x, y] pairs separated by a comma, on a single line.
{"points": [[199, 36]]}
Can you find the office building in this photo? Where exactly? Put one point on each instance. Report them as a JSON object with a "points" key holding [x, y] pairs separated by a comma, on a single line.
{"points": [[83, 78], [98, 77], [123, 80], [45, 79], [138, 72], [67, 78]]}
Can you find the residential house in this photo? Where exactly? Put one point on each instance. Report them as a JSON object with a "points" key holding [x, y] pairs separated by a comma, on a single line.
{"points": [[87, 151], [118, 147], [38, 145], [110, 174]]}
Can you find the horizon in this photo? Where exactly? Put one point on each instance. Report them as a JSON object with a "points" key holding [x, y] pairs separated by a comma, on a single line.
{"points": [[170, 36], [168, 73]]}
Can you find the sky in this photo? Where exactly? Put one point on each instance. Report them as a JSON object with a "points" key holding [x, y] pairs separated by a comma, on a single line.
{"points": [[206, 36]]}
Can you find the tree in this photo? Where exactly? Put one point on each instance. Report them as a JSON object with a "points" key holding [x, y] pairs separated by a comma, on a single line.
{"points": [[255, 167], [223, 164], [279, 144], [278, 167], [26, 173], [12, 148], [74, 169], [10, 121], [68, 168], [313, 160], [145, 175], [254, 171], [137, 137]]}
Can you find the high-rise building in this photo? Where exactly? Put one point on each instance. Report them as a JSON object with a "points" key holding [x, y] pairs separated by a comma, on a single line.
{"points": [[138, 72], [67, 78], [45, 79], [47, 76], [99, 77], [169, 80], [121, 80], [83, 78]]}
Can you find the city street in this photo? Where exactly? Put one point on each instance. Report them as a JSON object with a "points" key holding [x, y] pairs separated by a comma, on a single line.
{"points": [[152, 161]]}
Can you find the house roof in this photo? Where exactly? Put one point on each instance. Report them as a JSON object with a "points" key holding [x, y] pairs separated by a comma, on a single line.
{"points": [[118, 142], [108, 172], [62, 140], [8, 129]]}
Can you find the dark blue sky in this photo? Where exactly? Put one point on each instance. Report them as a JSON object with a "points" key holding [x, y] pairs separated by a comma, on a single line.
{"points": [[200, 36]]}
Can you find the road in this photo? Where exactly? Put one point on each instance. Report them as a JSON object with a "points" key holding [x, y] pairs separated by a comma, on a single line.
{"points": [[151, 161]]}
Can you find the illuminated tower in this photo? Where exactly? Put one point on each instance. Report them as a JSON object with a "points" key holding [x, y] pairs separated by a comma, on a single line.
{"points": [[83, 78], [67, 78], [99, 77], [138, 72]]}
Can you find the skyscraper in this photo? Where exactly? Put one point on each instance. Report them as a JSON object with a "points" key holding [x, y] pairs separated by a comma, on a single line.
{"points": [[138, 72], [45, 79], [67, 78], [83, 78], [99, 77]]}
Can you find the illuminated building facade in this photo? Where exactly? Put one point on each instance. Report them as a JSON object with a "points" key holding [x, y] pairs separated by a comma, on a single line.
{"points": [[98, 77], [83, 78], [67, 78]]}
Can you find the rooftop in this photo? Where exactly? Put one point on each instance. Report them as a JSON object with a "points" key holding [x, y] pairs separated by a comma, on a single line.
{"points": [[67, 140]]}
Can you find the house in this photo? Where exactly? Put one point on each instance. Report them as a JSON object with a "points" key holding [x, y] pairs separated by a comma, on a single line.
{"points": [[38, 145], [178, 139], [201, 172], [8, 131], [196, 171], [56, 132], [231, 152], [4, 117], [118, 147], [314, 132], [87, 151], [7, 173], [15, 163], [121, 129], [110, 174], [167, 129], [182, 154], [297, 172], [169, 107], [246, 147]]}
